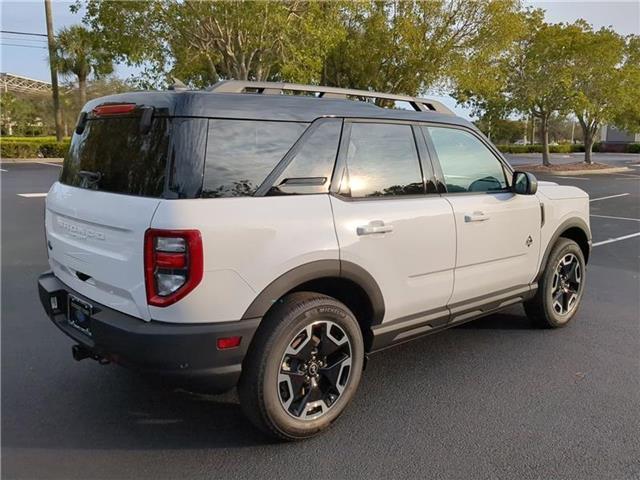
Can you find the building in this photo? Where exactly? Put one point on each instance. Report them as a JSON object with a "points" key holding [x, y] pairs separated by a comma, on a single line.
{"points": [[615, 140]]}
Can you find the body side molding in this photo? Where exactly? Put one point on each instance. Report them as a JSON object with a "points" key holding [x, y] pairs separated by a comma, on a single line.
{"points": [[417, 325]]}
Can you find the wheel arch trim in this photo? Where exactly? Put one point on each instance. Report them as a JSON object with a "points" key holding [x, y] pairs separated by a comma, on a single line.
{"points": [[317, 270], [560, 230]]}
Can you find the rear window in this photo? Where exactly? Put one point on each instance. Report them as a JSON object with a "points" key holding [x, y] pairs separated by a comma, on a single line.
{"points": [[241, 153], [112, 155]]}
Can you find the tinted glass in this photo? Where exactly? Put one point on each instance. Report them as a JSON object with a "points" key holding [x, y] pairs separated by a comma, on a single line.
{"points": [[312, 164], [467, 164], [383, 161], [241, 153], [112, 155], [187, 148]]}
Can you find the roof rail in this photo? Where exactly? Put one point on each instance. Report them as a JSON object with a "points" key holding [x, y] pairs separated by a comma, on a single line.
{"points": [[278, 88]]}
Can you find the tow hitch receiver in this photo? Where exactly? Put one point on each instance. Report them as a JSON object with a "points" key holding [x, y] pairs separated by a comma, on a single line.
{"points": [[81, 352]]}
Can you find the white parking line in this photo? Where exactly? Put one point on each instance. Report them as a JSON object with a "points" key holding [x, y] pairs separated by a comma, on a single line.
{"points": [[629, 175], [611, 240], [610, 196], [32, 195], [573, 178], [50, 164], [3, 170], [616, 218]]}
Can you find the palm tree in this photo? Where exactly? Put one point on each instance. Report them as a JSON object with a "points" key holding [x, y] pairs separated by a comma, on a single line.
{"points": [[79, 54]]}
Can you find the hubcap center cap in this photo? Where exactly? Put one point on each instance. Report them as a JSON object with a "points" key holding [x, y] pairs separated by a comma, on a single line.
{"points": [[313, 368]]}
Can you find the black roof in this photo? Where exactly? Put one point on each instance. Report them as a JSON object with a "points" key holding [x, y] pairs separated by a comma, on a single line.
{"points": [[248, 106]]}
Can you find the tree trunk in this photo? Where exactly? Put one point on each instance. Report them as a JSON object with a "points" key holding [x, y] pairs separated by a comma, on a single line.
{"points": [[588, 146], [532, 137], [544, 134], [588, 137], [82, 89], [57, 112]]}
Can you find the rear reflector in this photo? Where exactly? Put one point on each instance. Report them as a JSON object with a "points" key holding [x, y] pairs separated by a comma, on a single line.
{"points": [[228, 342], [114, 109]]}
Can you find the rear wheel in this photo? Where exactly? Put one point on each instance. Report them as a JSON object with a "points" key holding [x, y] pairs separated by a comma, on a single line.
{"points": [[303, 367], [560, 288]]}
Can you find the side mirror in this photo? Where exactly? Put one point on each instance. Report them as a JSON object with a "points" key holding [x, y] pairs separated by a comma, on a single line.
{"points": [[524, 183]]}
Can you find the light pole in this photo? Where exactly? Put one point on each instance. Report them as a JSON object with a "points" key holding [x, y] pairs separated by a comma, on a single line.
{"points": [[54, 72]]}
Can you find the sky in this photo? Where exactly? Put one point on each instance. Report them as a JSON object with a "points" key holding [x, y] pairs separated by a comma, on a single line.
{"points": [[30, 58]]}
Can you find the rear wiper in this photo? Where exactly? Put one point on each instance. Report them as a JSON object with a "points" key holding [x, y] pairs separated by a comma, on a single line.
{"points": [[89, 179]]}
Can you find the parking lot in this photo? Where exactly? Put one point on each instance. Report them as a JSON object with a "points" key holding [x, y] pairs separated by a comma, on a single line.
{"points": [[495, 398]]}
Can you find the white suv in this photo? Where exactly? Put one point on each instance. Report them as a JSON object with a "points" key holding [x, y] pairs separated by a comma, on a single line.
{"points": [[271, 236]]}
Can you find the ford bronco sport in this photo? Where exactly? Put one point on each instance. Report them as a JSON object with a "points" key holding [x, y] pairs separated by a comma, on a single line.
{"points": [[271, 236]]}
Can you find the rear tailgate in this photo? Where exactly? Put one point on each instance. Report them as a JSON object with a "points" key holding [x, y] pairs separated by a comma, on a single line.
{"points": [[111, 183], [95, 241]]}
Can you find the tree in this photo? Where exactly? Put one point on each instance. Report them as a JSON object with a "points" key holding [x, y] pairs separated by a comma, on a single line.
{"points": [[539, 73], [501, 130], [79, 54], [597, 81], [16, 113], [627, 116], [532, 74], [410, 46], [480, 80], [203, 42]]}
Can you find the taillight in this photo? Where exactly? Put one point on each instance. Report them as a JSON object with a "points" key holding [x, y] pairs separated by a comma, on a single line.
{"points": [[173, 264]]}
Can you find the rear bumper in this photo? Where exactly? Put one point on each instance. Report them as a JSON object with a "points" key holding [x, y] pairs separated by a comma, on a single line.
{"points": [[186, 352]]}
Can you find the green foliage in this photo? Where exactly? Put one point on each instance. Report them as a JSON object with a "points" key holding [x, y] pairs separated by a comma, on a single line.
{"points": [[35, 147], [38, 140], [501, 130], [598, 76], [410, 46], [627, 116], [553, 69], [395, 46], [79, 53], [203, 42], [633, 148], [33, 115], [537, 148], [20, 114]]}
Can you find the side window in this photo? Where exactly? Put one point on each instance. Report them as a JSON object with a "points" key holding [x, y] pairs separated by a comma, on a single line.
{"points": [[311, 168], [382, 160], [241, 153], [467, 164]]}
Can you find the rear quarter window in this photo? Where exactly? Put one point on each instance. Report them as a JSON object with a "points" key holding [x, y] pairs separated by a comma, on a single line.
{"points": [[241, 153]]}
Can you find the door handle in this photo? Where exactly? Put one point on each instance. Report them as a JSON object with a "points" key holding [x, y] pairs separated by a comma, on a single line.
{"points": [[374, 227], [476, 217]]}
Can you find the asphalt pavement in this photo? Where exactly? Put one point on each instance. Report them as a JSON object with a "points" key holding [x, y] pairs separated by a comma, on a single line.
{"points": [[495, 398]]}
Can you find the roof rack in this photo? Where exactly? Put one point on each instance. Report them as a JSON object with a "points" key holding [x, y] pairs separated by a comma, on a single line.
{"points": [[279, 88]]}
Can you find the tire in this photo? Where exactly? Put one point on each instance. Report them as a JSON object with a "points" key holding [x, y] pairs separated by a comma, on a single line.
{"points": [[560, 288], [285, 389]]}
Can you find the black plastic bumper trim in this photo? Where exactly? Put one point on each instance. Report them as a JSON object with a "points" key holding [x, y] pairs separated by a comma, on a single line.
{"points": [[183, 351]]}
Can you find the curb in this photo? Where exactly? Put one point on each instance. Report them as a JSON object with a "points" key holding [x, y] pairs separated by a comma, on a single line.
{"points": [[587, 172], [31, 160]]}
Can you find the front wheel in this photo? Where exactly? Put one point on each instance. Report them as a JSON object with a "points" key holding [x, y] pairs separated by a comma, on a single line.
{"points": [[560, 288], [303, 367]]}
